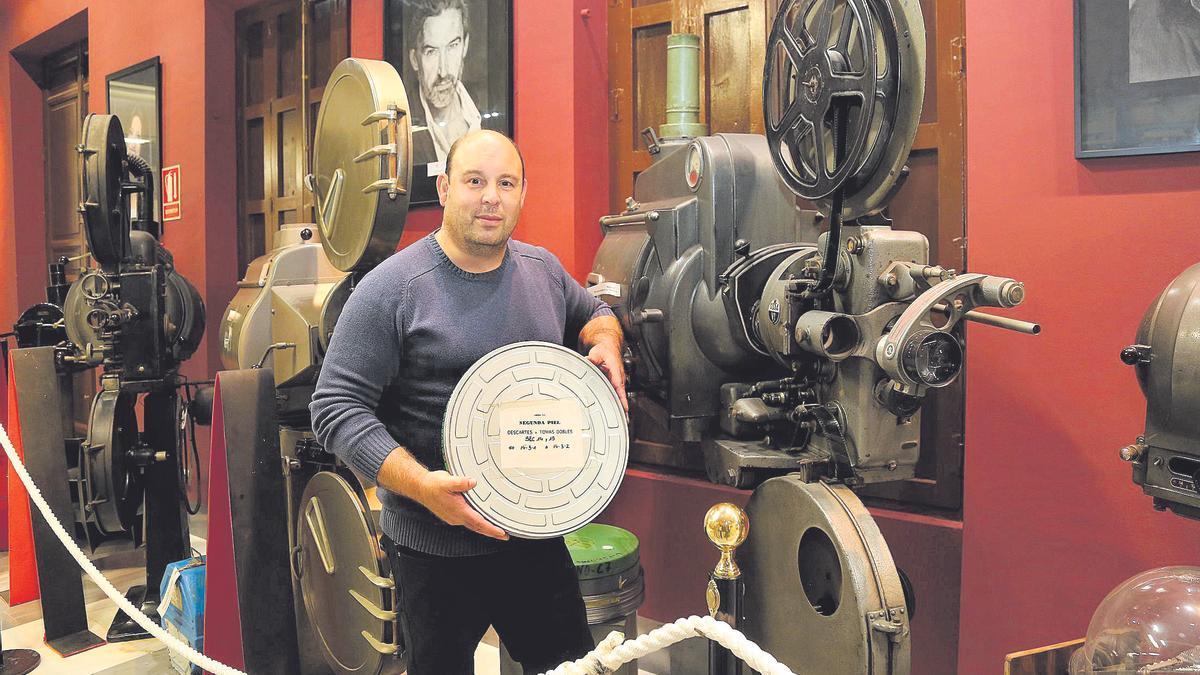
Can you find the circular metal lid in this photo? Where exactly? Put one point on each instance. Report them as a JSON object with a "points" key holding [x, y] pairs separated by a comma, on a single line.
{"points": [[822, 591], [542, 431], [342, 575], [602, 550], [362, 163], [104, 220]]}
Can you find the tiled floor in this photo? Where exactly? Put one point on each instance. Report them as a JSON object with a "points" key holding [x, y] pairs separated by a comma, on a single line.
{"points": [[22, 628]]}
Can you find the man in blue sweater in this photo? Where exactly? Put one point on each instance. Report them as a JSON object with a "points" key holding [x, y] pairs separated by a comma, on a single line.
{"points": [[409, 331]]}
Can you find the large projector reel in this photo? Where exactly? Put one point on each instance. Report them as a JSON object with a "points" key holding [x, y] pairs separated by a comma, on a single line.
{"points": [[843, 85]]}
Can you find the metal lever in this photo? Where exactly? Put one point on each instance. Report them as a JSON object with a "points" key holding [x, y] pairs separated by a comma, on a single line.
{"points": [[994, 321], [395, 146], [372, 609], [379, 646], [327, 205]]}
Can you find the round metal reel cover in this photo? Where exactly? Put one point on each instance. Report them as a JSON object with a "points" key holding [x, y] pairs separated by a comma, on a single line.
{"points": [[542, 431], [1171, 377], [104, 221], [337, 541], [362, 163], [821, 585], [114, 488], [183, 321]]}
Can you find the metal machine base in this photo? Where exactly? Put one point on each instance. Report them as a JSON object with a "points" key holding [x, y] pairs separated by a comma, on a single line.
{"points": [[123, 628], [75, 643], [744, 464], [19, 661]]}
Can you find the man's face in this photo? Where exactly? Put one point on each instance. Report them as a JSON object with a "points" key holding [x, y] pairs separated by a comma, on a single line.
{"points": [[484, 192], [438, 56]]}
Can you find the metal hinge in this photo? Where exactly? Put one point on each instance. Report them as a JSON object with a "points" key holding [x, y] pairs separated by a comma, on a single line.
{"points": [[959, 55], [614, 104]]}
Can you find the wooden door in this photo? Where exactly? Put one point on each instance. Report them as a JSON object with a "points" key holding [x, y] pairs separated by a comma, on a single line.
{"points": [[64, 105], [279, 94]]}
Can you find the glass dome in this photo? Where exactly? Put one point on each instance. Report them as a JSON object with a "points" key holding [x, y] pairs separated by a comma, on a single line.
{"points": [[1148, 624]]}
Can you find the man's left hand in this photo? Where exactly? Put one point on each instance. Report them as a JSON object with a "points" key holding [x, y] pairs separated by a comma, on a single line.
{"points": [[607, 356]]}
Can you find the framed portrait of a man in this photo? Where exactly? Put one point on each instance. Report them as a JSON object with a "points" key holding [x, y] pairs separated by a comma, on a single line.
{"points": [[1137, 77], [133, 96], [455, 57]]}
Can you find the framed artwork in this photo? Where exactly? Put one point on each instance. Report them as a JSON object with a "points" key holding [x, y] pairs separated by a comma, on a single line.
{"points": [[1137, 77], [135, 97], [455, 57]]}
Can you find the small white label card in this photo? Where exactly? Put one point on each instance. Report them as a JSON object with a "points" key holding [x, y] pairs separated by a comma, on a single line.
{"points": [[544, 436], [607, 288]]}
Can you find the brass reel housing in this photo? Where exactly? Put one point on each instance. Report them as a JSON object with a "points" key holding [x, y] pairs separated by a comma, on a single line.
{"points": [[822, 592], [362, 170], [349, 594]]}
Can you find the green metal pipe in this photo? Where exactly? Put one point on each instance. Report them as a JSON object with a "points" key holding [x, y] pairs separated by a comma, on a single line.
{"points": [[683, 87]]}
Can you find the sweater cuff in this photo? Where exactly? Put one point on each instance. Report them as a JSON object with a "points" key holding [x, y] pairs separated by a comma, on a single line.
{"points": [[373, 448]]}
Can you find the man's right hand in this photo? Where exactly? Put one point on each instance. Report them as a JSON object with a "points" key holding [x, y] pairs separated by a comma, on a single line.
{"points": [[441, 493]]}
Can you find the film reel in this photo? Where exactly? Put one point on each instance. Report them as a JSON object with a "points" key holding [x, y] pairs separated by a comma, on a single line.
{"points": [[113, 484], [103, 208], [843, 86]]}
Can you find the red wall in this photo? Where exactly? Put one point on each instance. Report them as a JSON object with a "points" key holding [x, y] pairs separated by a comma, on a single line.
{"points": [[1052, 521]]}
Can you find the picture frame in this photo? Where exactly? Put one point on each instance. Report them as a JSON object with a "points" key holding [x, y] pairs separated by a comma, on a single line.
{"points": [[480, 95], [1137, 77], [134, 95]]}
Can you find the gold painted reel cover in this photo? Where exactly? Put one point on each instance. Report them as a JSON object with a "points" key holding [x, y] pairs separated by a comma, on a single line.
{"points": [[362, 164]]}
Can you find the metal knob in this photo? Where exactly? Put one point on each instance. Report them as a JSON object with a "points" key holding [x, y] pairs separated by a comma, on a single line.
{"points": [[1132, 453], [1134, 355], [727, 527]]}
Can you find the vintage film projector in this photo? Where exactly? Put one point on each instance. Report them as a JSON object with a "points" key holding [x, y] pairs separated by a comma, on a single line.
{"points": [[761, 347], [275, 333], [138, 319]]}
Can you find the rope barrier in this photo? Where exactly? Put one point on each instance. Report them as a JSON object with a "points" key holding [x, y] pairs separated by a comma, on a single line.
{"points": [[613, 652]]}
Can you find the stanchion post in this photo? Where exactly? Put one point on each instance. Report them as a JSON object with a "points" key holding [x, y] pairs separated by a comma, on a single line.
{"points": [[726, 526]]}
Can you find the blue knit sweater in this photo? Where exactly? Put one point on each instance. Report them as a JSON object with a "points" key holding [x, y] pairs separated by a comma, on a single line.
{"points": [[407, 334]]}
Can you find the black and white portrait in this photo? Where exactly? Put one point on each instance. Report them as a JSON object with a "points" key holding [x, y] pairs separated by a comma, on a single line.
{"points": [[455, 57], [1137, 77], [1164, 39]]}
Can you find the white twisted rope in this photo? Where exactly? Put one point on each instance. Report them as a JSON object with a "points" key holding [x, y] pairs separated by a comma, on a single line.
{"points": [[184, 650], [613, 652]]}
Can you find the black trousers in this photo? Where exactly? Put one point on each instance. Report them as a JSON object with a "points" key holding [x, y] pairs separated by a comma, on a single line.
{"points": [[529, 592]]}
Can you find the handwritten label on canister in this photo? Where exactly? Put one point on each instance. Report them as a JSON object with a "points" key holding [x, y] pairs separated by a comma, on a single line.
{"points": [[543, 436]]}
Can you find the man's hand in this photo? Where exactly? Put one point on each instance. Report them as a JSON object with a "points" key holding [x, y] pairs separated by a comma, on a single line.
{"points": [[441, 493], [607, 356]]}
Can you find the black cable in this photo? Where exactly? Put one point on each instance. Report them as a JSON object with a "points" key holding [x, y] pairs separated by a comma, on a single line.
{"points": [[191, 422], [833, 241], [181, 442]]}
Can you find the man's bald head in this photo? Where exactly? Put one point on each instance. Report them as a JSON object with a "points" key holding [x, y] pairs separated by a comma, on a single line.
{"points": [[481, 134]]}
